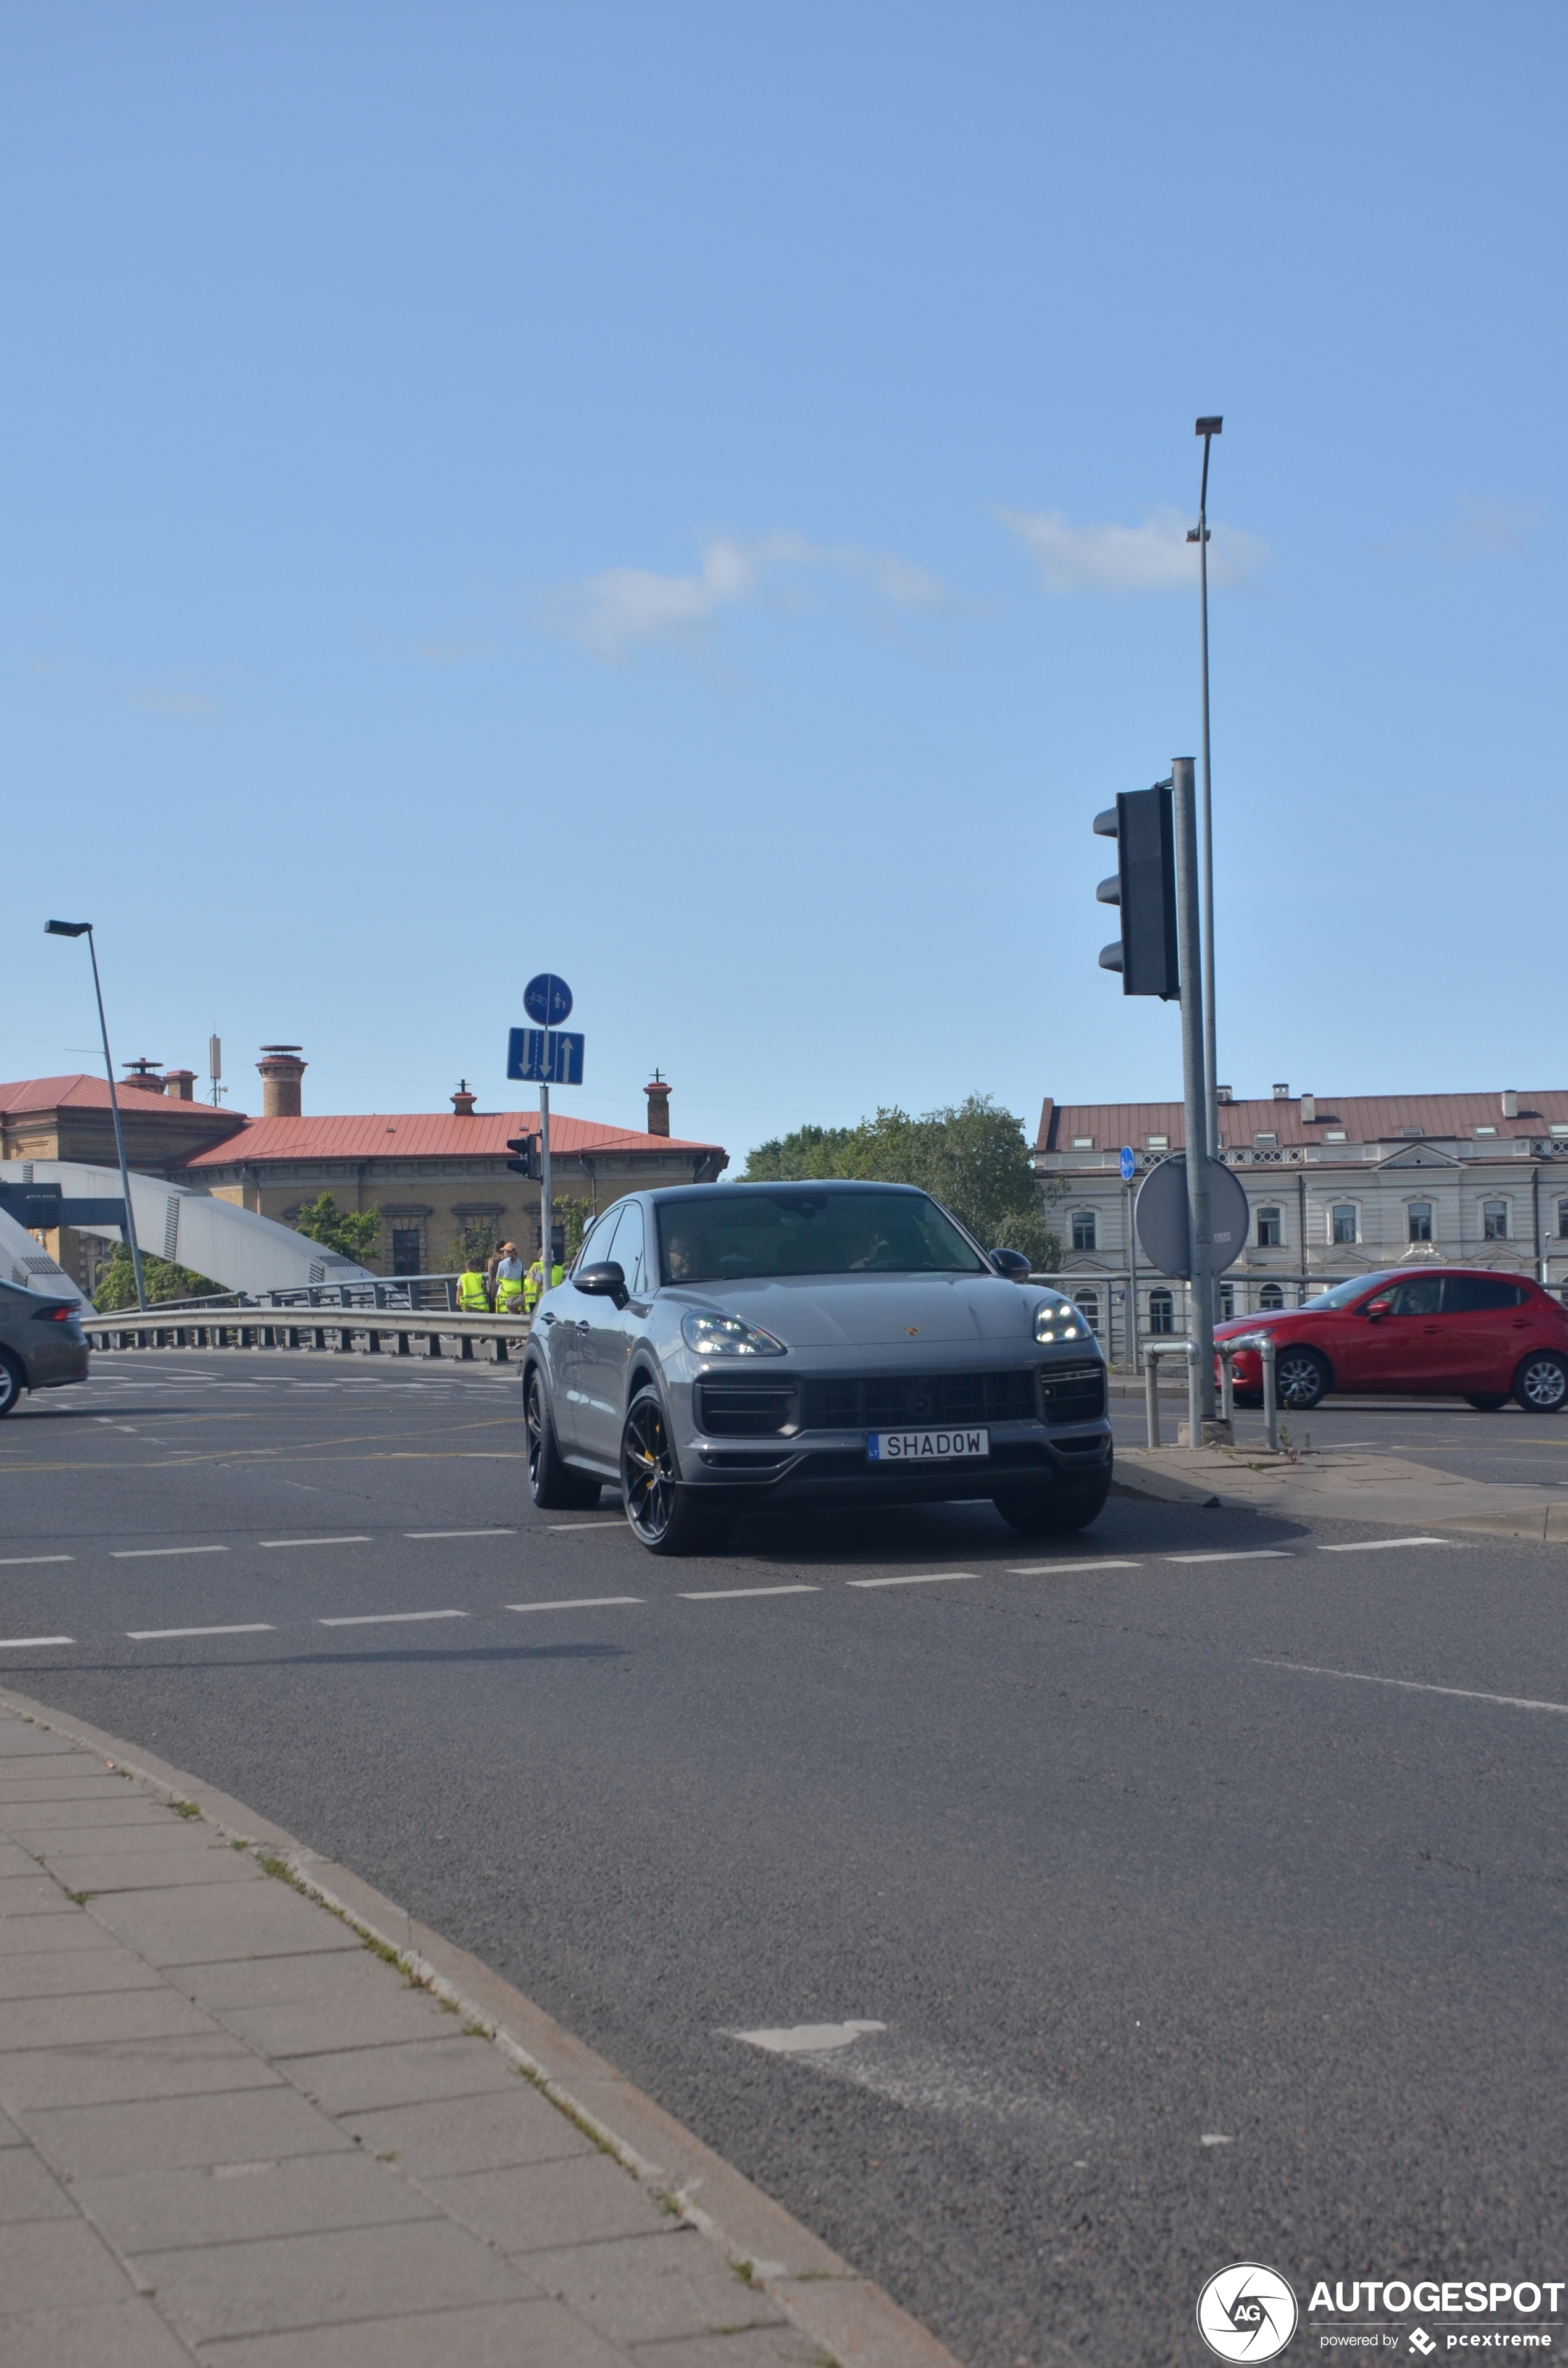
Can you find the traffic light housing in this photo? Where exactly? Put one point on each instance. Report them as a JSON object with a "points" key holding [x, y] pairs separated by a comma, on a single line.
{"points": [[528, 1163], [1142, 824]]}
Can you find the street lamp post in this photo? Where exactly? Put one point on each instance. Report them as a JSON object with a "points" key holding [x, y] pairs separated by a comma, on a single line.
{"points": [[1207, 429], [84, 929]]}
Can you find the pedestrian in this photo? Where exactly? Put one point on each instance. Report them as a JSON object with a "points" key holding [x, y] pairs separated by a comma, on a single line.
{"points": [[474, 1295], [508, 1281], [534, 1285]]}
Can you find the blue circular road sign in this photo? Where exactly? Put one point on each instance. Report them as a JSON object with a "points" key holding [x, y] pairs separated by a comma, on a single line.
{"points": [[1127, 1163], [547, 999]]}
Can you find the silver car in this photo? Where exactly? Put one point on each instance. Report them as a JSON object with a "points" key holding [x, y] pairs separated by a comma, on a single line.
{"points": [[41, 1343], [719, 1348]]}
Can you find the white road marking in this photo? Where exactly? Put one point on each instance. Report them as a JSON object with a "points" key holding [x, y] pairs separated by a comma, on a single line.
{"points": [[380, 1618], [1213, 2138], [144, 1553], [1381, 1545], [491, 1455], [564, 1529], [460, 1533], [314, 1542], [14, 1562], [721, 1594], [1244, 1554], [239, 1628], [1045, 1569], [573, 1603], [808, 2038], [1414, 1686], [16, 1644], [913, 1578]]}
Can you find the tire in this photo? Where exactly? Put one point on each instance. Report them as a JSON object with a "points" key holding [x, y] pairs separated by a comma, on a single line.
{"points": [[1487, 1401], [553, 1485], [666, 1515], [1052, 1512], [12, 1382], [1540, 1385], [1300, 1379]]}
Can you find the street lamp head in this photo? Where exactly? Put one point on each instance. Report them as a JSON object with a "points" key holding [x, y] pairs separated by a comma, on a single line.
{"points": [[67, 928], [1208, 427]]}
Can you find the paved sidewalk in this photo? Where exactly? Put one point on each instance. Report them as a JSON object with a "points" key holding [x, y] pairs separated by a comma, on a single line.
{"points": [[233, 2130], [1341, 1484]]}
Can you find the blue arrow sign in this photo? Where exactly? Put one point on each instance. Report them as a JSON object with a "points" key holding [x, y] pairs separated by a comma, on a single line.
{"points": [[547, 1000], [1127, 1163], [542, 1057]]}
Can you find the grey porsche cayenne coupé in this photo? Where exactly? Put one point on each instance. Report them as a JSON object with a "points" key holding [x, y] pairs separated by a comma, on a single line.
{"points": [[726, 1348]]}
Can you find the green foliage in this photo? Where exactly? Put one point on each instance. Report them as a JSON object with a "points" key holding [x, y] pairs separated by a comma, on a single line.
{"points": [[116, 1282], [472, 1246], [351, 1234], [974, 1158], [573, 1216]]}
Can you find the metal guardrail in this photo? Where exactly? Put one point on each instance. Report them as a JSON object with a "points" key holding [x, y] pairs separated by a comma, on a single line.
{"points": [[256, 1327], [422, 1293], [1155, 1350]]}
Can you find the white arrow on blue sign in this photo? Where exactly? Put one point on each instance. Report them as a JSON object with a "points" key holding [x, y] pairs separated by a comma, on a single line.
{"points": [[542, 1057]]}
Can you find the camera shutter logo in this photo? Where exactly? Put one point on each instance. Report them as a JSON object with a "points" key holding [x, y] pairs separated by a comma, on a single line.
{"points": [[1247, 2312]]}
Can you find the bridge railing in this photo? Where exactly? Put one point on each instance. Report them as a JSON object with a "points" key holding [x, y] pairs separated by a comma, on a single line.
{"points": [[329, 1324]]}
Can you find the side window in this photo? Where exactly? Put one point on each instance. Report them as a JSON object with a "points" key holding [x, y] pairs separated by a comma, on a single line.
{"points": [[1421, 1297], [1270, 1296], [1268, 1229], [628, 1249], [1161, 1311], [1088, 1305], [1343, 1226], [1494, 1221], [1562, 1220], [1421, 1220], [596, 1244], [1083, 1229], [1468, 1294]]}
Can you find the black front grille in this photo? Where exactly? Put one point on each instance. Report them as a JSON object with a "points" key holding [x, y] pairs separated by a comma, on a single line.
{"points": [[1073, 1392], [745, 1411], [887, 1402]]}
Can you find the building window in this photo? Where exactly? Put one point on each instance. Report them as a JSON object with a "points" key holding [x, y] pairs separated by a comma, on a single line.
{"points": [[1494, 1221], [1227, 1301], [1089, 1306], [1486, 1130], [405, 1250], [1421, 1220], [1083, 1143], [1271, 1296], [1268, 1229], [1266, 1141], [1161, 1311], [1333, 1134], [1157, 1142], [1083, 1229], [1343, 1224], [1562, 1220]]}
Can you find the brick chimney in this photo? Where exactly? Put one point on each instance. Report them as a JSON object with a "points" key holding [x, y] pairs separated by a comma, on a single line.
{"points": [[179, 1085], [658, 1095], [463, 1099], [1510, 1102], [281, 1070], [144, 1075]]}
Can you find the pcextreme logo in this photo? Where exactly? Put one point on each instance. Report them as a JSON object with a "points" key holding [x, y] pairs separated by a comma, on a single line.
{"points": [[1247, 2312]]}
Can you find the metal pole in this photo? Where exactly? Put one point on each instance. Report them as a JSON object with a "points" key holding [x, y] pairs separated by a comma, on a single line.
{"points": [[1270, 1399], [118, 1132], [1211, 1054], [1151, 1396], [1194, 1097], [1132, 1278], [545, 1260]]}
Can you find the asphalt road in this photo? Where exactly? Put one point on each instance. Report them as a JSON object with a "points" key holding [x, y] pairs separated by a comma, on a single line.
{"points": [[1510, 1445], [1191, 1938]]}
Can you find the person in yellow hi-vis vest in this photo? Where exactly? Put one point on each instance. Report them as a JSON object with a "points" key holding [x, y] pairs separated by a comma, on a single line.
{"points": [[533, 1288], [509, 1281], [474, 1298]]}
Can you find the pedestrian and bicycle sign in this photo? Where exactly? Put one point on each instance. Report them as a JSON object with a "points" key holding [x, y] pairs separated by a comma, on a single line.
{"points": [[1127, 1163], [546, 1055], [547, 1000]]}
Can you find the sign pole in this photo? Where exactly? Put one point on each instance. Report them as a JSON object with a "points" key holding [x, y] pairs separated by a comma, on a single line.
{"points": [[1200, 1369], [546, 1263]]}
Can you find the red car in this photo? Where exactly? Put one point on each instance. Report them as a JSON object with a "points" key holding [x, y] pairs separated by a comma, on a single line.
{"points": [[1446, 1331]]}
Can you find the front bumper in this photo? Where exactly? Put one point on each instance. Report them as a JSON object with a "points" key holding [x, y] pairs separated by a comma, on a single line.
{"points": [[833, 1467]]}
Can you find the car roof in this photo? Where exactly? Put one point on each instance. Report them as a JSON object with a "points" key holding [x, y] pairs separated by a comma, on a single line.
{"points": [[812, 1187]]}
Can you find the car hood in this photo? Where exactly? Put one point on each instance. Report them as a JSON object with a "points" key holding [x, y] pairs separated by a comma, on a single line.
{"points": [[865, 1310], [1234, 1326]]}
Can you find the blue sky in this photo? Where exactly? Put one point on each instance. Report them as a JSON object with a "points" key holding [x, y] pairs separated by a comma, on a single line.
{"points": [[693, 497]]}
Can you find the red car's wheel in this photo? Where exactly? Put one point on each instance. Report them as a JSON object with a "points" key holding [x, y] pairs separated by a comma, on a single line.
{"points": [[1540, 1385], [1301, 1378]]}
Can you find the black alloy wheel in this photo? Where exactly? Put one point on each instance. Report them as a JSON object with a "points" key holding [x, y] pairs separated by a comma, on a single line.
{"points": [[11, 1383], [666, 1514], [553, 1485], [1300, 1379], [1052, 1512], [1540, 1385]]}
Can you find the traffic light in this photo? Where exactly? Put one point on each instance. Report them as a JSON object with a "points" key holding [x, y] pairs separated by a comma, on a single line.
{"points": [[527, 1165], [1143, 885]]}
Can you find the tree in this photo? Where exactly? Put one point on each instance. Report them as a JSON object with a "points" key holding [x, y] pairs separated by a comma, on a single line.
{"points": [[472, 1246], [974, 1157], [574, 1217], [351, 1234], [116, 1282]]}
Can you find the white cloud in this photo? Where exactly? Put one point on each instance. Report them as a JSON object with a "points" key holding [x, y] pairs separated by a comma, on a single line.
{"points": [[626, 608], [1154, 557]]}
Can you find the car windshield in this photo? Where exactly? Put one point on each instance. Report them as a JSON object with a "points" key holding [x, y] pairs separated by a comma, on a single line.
{"points": [[753, 1232], [1343, 1292]]}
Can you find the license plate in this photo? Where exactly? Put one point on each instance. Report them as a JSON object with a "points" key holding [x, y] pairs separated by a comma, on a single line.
{"points": [[925, 1446]]}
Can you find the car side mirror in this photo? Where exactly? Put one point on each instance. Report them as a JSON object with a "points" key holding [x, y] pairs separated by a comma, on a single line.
{"points": [[1011, 1265], [605, 1282], [1376, 1307]]}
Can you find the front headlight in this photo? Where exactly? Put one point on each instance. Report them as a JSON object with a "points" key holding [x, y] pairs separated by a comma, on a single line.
{"points": [[1058, 1320], [726, 1336], [1246, 1340]]}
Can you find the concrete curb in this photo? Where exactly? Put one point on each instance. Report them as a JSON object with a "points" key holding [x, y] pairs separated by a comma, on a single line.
{"points": [[855, 2323]]}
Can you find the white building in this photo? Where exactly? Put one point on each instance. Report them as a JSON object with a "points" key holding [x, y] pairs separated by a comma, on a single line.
{"points": [[1336, 1186]]}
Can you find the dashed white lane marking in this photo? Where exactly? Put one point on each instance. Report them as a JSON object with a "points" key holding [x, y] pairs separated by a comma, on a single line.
{"points": [[145, 1554], [564, 1529], [314, 1542], [381, 1619], [491, 1455], [808, 2038], [460, 1533], [17, 1644], [236, 1628], [724, 1594], [1243, 1553], [573, 1603], [913, 1578], [14, 1562], [1381, 1545], [1414, 1686], [1045, 1569]]}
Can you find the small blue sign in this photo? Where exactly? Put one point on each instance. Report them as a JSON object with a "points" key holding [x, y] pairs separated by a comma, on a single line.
{"points": [[1127, 1163], [548, 1001], [542, 1057]]}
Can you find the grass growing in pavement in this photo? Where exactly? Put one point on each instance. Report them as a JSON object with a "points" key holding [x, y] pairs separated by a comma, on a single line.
{"points": [[185, 1808]]}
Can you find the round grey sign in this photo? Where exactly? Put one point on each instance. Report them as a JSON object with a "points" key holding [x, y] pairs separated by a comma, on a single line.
{"points": [[1160, 1214]]}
